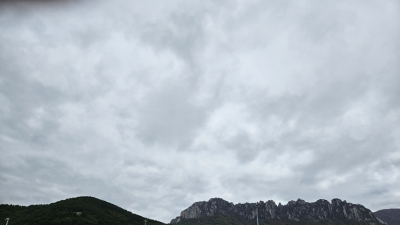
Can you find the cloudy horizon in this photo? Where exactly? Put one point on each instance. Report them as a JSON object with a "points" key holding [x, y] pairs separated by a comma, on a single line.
{"points": [[153, 106]]}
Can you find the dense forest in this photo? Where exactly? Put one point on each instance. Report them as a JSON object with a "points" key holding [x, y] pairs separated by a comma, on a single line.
{"points": [[73, 211]]}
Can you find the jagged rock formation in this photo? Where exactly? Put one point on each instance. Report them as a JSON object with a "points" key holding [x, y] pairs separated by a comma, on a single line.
{"points": [[293, 211]]}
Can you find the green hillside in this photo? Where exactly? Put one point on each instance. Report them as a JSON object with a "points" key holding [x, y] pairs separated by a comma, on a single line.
{"points": [[93, 211], [230, 220]]}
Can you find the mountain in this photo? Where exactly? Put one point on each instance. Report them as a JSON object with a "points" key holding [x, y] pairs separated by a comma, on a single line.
{"points": [[390, 216], [73, 211], [219, 211]]}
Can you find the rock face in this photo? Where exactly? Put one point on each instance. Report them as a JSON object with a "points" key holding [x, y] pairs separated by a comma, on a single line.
{"points": [[293, 210]]}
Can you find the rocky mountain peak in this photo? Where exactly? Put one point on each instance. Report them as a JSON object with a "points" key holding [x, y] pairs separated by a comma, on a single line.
{"points": [[293, 210]]}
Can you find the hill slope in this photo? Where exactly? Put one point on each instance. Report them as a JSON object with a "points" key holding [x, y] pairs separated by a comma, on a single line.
{"points": [[390, 216], [93, 211]]}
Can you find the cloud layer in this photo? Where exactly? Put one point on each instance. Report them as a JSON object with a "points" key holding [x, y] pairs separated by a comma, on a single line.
{"points": [[155, 105]]}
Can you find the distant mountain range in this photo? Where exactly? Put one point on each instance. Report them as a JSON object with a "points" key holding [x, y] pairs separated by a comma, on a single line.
{"points": [[219, 211], [390, 216], [73, 211]]}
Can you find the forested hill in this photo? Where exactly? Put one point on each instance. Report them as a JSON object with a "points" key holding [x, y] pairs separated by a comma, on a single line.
{"points": [[390, 216], [73, 211]]}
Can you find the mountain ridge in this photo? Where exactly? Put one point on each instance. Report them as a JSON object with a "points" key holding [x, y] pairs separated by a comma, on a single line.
{"points": [[321, 210]]}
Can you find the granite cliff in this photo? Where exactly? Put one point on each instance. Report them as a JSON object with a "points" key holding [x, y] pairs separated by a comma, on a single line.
{"points": [[293, 211]]}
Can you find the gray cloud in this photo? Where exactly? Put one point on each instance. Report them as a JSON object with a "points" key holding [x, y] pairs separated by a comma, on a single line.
{"points": [[168, 117], [137, 103]]}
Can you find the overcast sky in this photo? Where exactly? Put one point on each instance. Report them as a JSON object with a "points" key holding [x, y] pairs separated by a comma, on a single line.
{"points": [[154, 105]]}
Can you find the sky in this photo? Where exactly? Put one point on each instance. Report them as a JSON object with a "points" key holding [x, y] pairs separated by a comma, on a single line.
{"points": [[155, 105]]}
